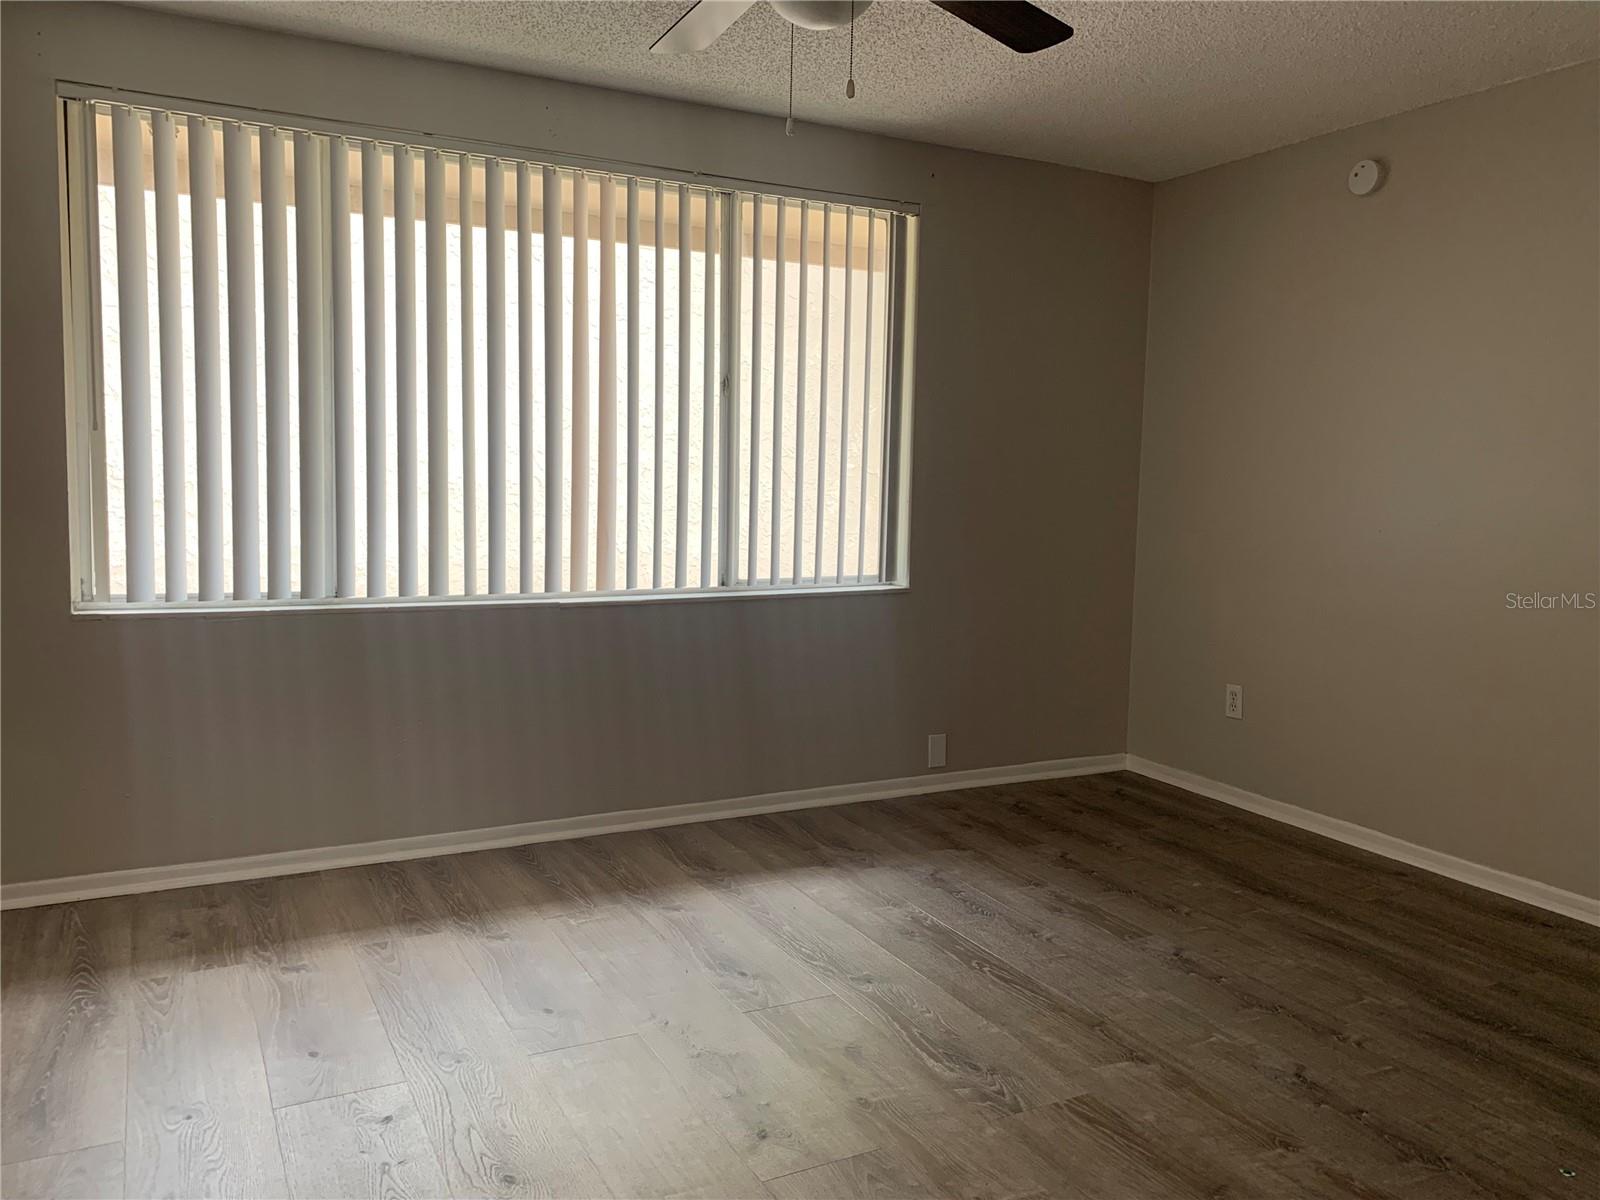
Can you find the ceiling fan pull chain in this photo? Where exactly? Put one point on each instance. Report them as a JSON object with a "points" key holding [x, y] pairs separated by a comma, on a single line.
{"points": [[850, 77], [788, 126]]}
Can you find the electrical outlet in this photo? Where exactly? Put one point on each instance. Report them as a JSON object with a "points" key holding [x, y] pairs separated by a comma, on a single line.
{"points": [[936, 749], [1233, 703]]}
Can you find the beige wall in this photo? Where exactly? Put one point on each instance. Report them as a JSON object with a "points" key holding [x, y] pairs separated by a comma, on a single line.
{"points": [[1365, 422], [139, 742]]}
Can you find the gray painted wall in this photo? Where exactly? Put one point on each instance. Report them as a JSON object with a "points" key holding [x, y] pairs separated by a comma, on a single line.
{"points": [[1365, 422], [134, 742]]}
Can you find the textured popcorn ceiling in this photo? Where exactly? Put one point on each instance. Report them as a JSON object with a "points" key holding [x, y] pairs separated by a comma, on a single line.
{"points": [[1150, 90]]}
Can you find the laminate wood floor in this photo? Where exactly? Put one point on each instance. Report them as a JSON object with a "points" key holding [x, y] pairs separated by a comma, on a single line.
{"points": [[1094, 987]]}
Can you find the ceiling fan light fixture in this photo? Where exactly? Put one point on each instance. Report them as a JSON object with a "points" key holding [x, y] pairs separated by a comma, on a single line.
{"points": [[819, 14], [1015, 24]]}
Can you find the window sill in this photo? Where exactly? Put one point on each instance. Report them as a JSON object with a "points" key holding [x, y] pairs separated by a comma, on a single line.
{"points": [[113, 610]]}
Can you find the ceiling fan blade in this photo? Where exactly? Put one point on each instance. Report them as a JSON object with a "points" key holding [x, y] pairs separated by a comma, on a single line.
{"points": [[700, 26], [1025, 28]]}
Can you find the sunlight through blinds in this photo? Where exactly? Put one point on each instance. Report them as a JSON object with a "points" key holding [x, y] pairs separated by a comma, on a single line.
{"points": [[310, 391]]}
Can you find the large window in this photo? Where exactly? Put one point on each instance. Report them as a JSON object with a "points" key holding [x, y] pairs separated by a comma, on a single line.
{"points": [[318, 366]]}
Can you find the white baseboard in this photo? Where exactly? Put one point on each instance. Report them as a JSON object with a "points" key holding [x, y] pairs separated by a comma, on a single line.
{"points": [[1517, 887], [297, 862]]}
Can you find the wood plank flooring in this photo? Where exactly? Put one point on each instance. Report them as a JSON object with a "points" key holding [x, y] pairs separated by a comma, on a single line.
{"points": [[1094, 987]]}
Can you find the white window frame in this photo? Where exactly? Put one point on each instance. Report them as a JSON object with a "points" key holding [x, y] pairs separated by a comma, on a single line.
{"points": [[88, 532]]}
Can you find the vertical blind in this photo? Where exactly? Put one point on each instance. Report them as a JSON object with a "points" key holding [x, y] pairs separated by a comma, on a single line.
{"points": [[320, 367]]}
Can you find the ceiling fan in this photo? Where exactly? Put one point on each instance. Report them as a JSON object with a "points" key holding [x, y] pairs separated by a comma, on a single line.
{"points": [[1025, 28]]}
